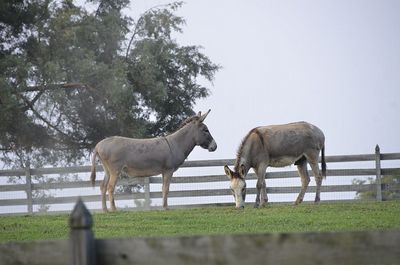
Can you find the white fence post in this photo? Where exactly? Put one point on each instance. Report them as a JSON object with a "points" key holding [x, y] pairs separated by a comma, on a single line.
{"points": [[28, 180], [378, 173], [147, 199]]}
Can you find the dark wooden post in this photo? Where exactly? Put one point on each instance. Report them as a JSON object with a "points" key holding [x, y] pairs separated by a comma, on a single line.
{"points": [[378, 173], [82, 243], [28, 180]]}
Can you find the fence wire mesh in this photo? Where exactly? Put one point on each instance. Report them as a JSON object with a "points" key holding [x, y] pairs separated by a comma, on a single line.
{"points": [[196, 184]]}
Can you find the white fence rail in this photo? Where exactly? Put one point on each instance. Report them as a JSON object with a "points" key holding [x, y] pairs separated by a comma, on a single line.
{"points": [[30, 187]]}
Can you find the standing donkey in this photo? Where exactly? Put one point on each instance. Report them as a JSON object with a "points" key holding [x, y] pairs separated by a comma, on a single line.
{"points": [[149, 157], [278, 146]]}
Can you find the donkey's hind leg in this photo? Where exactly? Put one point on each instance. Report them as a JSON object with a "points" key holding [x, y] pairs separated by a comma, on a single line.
{"points": [[305, 179], [111, 187], [318, 179], [103, 189]]}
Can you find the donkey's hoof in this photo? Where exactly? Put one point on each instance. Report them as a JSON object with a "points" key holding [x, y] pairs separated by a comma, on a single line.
{"points": [[297, 202], [262, 205]]}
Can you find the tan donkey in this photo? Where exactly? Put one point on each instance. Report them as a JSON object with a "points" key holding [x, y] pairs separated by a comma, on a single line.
{"points": [[149, 157], [278, 146]]}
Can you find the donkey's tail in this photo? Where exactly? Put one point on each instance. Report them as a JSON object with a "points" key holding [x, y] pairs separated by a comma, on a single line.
{"points": [[323, 163], [93, 174]]}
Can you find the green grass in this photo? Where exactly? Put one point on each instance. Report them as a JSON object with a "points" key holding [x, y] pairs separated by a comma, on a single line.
{"points": [[212, 221]]}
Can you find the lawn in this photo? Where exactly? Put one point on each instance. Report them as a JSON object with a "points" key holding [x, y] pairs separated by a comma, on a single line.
{"points": [[214, 220]]}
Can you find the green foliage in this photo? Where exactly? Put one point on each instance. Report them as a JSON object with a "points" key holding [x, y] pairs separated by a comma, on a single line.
{"points": [[70, 77], [275, 218], [390, 186]]}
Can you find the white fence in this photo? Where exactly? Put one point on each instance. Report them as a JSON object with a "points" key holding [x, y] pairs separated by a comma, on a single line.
{"points": [[35, 191]]}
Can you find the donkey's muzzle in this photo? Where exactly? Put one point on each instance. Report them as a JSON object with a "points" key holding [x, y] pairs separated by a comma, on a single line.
{"points": [[212, 146]]}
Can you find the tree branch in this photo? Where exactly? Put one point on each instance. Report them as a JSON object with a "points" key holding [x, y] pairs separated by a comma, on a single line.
{"points": [[135, 31], [37, 114], [74, 85], [42, 89], [33, 101]]}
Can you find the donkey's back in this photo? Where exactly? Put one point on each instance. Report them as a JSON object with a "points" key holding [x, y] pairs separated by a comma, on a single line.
{"points": [[136, 157], [291, 141]]}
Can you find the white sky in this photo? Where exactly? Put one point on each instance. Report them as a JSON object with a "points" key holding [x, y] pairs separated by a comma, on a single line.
{"points": [[335, 64]]}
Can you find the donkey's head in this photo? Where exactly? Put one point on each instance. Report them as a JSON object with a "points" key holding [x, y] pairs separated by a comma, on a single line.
{"points": [[237, 185], [202, 135]]}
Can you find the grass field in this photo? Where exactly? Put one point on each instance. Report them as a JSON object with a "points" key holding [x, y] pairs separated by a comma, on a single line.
{"points": [[212, 220]]}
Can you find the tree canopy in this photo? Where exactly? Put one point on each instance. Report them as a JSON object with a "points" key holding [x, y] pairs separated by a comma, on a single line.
{"points": [[70, 77]]}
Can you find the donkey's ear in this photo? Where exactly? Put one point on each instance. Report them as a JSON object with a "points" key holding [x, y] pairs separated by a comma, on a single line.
{"points": [[203, 117], [242, 171], [228, 172]]}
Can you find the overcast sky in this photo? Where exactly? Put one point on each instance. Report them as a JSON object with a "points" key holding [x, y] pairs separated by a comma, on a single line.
{"points": [[335, 64]]}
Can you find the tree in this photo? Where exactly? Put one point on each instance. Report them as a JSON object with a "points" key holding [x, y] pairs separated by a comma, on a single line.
{"points": [[390, 186], [71, 77]]}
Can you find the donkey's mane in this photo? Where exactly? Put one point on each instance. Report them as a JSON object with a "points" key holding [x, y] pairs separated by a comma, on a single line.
{"points": [[185, 122], [189, 120], [239, 152]]}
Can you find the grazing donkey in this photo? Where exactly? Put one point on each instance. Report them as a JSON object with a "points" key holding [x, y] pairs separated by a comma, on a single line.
{"points": [[149, 157], [278, 146]]}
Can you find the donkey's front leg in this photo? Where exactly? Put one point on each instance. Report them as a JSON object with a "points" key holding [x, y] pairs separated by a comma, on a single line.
{"points": [[165, 187], [261, 197]]}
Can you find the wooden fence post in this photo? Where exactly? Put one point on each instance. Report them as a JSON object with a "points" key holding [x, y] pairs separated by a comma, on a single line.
{"points": [[28, 181], [378, 173], [82, 243]]}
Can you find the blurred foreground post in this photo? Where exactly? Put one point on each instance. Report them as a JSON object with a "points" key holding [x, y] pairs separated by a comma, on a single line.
{"points": [[82, 243]]}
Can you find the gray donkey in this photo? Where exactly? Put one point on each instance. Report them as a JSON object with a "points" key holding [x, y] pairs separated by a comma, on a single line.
{"points": [[278, 146], [149, 157]]}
